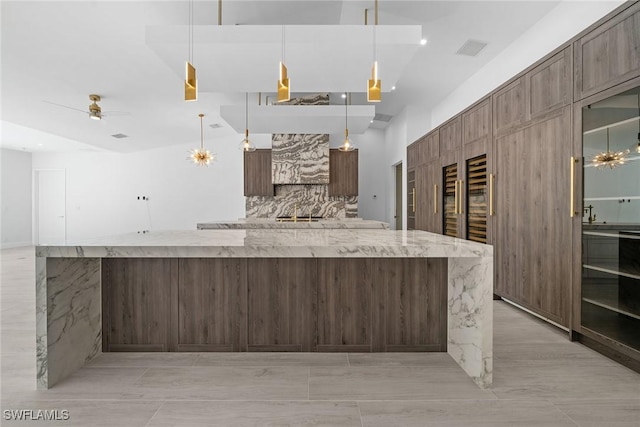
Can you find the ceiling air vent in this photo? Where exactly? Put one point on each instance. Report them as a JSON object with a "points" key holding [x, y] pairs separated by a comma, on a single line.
{"points": [[215, 126], [382, 117], [120, 135], [471, 48]]}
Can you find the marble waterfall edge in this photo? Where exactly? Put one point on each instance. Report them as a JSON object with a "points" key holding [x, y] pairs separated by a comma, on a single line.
{"points": [[68, 316]]}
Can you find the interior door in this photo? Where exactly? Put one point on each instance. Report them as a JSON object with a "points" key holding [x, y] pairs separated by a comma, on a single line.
{"points": [[50, 207]]}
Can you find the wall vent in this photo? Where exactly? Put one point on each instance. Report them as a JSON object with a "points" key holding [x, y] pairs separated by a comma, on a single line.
{"points": [[471, 48], [120, 135]]}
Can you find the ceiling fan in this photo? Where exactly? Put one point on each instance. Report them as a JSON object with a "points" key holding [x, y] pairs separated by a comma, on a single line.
{"points": [[95, 111]]}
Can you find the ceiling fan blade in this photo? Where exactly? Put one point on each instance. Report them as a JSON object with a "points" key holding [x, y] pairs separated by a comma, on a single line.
{"points": [[65, 106], [115, 113]]}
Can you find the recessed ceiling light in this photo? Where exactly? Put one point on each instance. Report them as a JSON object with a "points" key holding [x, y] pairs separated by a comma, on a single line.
{"points": [[393, 88], [40, 145], [344, 95], [370, 121], [423, 42]]}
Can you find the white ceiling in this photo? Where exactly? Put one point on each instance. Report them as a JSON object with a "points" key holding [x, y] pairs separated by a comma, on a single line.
{"points": [[61, 51]]}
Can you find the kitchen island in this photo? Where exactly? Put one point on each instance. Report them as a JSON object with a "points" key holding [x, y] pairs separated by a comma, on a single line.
{"points": [[264, 290], [297, 223]]}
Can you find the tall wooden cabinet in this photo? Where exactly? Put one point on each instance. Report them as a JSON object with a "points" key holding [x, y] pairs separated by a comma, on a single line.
{"points": [[257, 173], [343, 173]]}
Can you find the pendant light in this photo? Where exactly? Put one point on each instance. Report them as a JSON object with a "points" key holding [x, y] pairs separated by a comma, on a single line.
{"points": [[374, 89], [246, 144], [347, 145], [284, 87], [609, 158], [201, 157], [190, 81]]}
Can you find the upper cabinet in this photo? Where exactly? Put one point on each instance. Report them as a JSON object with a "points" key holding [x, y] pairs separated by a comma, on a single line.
{"points": [[450, 136], [549, 85], [257, 173], [343, 173], [608, 55], [476, 123], [509, 106]]}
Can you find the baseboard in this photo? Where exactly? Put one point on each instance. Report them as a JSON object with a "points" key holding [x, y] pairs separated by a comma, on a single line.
{"points": [[9, 245]]}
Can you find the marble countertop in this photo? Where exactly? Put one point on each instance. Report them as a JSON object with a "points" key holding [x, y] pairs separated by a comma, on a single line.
{"points": [[271, 223], [283, 243]]}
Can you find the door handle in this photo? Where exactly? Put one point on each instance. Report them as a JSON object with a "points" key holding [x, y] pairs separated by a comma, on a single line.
{"points": [[455, 198], [491, 177], [460, 198], [435, 198], [414, 198], [572, 202]]}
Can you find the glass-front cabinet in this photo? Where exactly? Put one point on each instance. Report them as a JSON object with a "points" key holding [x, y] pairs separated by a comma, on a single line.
{"points": [[610, 291]]}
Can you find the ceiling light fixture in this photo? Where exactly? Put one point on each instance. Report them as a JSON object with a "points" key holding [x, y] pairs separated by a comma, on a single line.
{"points": [[284, 88], [347, 145], [609, 158], [246, 144], [374, 84], [423, 42], [190, 81], [201, 157], [95, 112]]}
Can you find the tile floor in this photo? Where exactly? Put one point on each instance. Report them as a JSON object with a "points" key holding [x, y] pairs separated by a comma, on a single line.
{"points": [[540, 379]]}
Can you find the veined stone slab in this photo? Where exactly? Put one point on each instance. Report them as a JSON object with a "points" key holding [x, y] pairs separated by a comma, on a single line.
{"points": [[300, 158]]}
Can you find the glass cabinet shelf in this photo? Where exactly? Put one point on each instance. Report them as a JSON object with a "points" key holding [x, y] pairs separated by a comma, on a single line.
{"points": [[632, 272]]}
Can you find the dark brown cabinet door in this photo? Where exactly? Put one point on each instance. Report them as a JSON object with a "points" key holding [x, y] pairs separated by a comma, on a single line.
{"points": [[509, 106], [136, 303], [257, 173], [533, 245], [282, 304], [428, 192], [211, 304], [608, 55], [549, 85], [343, 173]]}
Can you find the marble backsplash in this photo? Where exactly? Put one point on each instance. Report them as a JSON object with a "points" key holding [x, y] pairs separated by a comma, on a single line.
{"points": [[312, 200]]}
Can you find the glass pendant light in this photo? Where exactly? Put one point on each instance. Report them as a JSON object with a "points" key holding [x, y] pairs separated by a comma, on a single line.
{"points": [[246, 144], [347, 145]]}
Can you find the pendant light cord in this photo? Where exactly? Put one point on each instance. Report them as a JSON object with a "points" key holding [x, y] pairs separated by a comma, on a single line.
{"points": [[346, 116], [201, 134], [246, 111], [283, 41], [608, 140], [190, 47]]}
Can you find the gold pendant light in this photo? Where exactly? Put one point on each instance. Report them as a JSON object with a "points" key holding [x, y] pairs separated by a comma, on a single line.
{"points": [[611, 159], [201, 156], [284, 87], [347, 145], [374, 85], [246, 144], [190, 80]]}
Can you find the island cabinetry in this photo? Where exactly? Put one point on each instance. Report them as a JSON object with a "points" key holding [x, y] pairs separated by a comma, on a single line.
{"points": [[211, 313], [343, 173], [257, 173], [608, 55], [275, 304], [136, 295], [282, 307]]}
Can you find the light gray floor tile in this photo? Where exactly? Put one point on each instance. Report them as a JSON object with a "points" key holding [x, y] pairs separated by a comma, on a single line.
{"points": [[87, 413], [541, 355], [272, 359], [144, 360], [402, 359], [596, 412], [463, 413], [392, 383], [203, 414]]}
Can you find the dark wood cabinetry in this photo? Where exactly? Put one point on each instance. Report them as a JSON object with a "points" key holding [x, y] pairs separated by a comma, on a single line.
{"points": [[343, 173], [509, 106], [608, 55], [549, 85], [257, 173]]}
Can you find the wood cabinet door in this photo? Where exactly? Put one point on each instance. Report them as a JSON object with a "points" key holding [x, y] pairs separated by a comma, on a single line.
{"points": [[136, 303], [343, 173], [412, 155], [509, 106], [451, 136], [211, 304], [608, 55], [428, 193], [549, 85], [476, 123], [257, 173], [533, 227], [432, 146]]}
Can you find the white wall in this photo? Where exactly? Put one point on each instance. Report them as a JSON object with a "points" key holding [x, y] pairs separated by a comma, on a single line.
{"points": [[372, 193], [102, 188], [15, 198], [395, 152]]}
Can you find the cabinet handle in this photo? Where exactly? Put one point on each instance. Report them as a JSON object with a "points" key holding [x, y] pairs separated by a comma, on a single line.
{"points": [[455, 198], [414, 199], [491, 212], [572, 206], [435, 198], [461, 198]]}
